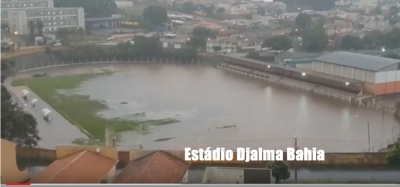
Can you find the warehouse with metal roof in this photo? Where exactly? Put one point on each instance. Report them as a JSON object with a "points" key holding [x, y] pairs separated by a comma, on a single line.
{"points": [[369, 70]]}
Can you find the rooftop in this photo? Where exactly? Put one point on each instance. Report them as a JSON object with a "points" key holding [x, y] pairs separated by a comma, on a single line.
{"points": [[356, 60], [81, 167], [156, 167]]}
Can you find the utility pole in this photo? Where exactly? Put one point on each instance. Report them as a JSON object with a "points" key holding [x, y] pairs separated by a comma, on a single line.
{"points": [[369, 139], [295, 167]]}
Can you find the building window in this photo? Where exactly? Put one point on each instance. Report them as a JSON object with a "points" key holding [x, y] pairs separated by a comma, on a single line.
{"points": [[31, 4], [54, 23], [62, 23], [50, 23], [49, 28], [24, 4], [48, 13], [60, 12], [54, 12]]}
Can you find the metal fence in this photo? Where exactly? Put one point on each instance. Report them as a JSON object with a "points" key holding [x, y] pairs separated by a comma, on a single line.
{"points": [[42, 65], [337, 94]]}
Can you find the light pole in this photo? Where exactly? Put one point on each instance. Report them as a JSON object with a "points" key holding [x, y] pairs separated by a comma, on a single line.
{"points": [[15, 40]]}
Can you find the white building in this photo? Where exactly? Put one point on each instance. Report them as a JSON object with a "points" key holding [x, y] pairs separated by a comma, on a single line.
{"points": [[52, 18], [7, 5], [123, 4]]}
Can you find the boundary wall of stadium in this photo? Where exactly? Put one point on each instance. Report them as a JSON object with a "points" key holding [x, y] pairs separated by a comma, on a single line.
{"points": [[371, 160]]}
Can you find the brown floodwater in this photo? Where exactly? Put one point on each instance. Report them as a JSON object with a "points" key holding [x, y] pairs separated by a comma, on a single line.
{"points": [[223, 109]]}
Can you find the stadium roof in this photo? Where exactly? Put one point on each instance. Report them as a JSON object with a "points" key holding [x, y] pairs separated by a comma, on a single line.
{"points": [[356, 60]]}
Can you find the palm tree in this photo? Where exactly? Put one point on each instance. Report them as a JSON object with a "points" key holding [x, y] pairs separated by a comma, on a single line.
{"points": [[31, 26], [39, 27]]}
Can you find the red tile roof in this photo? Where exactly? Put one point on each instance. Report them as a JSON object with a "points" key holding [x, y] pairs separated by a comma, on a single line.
{"points": [[157, 167], [81, 167]]}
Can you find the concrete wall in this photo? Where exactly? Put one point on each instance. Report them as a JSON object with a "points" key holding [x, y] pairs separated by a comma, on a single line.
{"points": [[222, 175], [387, 82], [9, 169]]}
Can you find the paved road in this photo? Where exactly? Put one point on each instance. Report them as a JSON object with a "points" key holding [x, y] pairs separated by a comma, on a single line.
{"points": [[58, 131]]}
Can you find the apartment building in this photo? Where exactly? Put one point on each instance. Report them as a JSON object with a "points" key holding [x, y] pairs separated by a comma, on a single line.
{"points": [[7, 5], [52, 18]]}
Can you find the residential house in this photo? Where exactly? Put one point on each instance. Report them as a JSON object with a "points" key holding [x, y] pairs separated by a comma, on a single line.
{"points": [[243, 9], [76, 164], [156, 167], [282, 31], [374, 23], [337, 27], [288, 16], [124, 4], [275, 8], [173, 43], [225, 6], [262, 21], [248, 43], [10, 171], [231, 175], [228, 44], [239, 11]]}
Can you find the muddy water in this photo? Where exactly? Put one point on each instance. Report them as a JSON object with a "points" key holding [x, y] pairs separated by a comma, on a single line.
{"points": [[217, 108]]}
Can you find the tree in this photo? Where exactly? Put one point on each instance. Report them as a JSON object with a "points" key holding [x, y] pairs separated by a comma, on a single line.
{"points": [[39, 26], [314, 39], [280, 170], [278, 43], [93, 8], [187, 53], [303, 20], [373, 39], [393, 157], [197, 42], [253, 55], [391, 39], [31, 26], [204, 32], [217, 48], [155, 14], [189, 7], [350, 42], [16, 125], [62, 33], [261, 11], [392, 55], [220, 10], [248, 16]]}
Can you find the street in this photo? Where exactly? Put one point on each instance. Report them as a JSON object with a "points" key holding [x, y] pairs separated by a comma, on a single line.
{"points": [[58, 131]]}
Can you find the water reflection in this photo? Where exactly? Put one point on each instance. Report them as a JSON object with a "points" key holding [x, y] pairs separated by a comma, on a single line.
{"points": [[265, 115]]}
